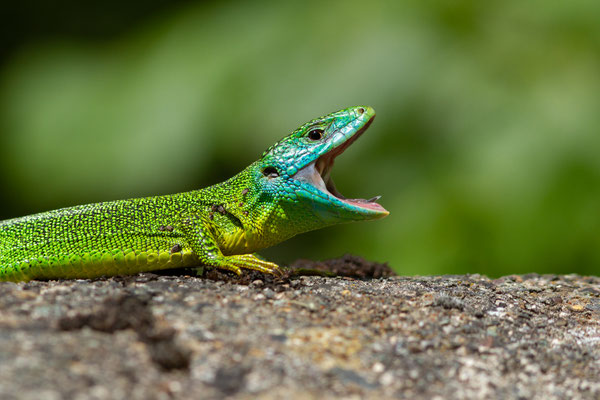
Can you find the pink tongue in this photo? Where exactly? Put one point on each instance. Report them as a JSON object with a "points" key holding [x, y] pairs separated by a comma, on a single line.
{"points": [[366, 204]]}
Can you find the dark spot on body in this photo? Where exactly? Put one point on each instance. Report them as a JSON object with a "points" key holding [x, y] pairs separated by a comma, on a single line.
{"points": [[214, 208], [221, 210], [169, 228], [175, 249], [211, 216], [245, 191], [245, 212], [241, 204]]}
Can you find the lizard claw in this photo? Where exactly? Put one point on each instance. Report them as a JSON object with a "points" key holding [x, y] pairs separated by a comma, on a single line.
{"points": [[250, 261]]}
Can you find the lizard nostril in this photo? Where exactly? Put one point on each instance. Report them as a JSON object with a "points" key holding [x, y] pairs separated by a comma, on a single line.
{"points": [[361, 110]]}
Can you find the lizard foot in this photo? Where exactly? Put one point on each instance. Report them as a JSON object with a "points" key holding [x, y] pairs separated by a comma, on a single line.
{"points": [[250, 261]]}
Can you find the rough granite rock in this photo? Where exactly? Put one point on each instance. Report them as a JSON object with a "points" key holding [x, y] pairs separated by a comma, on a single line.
{"points": [[302, 337]]}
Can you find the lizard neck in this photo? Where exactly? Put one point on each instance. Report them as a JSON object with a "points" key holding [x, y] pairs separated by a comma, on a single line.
{"points": [[235, 211], [245, 215]]}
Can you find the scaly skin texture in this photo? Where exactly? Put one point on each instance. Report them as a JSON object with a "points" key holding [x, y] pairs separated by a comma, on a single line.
{"points": [[278, 196]]}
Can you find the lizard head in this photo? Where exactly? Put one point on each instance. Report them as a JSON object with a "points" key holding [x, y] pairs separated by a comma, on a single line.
{"points": [[299, 166]]}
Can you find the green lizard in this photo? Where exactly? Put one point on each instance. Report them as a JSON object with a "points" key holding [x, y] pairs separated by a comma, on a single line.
{"points": [[286, 192]]}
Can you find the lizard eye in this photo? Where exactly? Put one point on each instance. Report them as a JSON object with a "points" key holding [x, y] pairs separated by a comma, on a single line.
{"points": [[270, 172], [315, 134]]}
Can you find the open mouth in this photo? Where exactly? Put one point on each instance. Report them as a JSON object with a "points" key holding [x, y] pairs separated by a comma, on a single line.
{"points": [[318, 174]]}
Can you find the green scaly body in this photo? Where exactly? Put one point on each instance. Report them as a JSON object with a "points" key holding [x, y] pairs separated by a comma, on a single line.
{"points": [[286, 192]]}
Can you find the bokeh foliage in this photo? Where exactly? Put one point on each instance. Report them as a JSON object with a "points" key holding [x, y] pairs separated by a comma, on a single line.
{"points": [[485, 147]]}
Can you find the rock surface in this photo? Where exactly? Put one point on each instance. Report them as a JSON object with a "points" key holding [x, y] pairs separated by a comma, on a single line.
{"points": [[216, 336]]}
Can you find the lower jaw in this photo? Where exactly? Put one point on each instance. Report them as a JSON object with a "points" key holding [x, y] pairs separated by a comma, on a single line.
{"points": [[313, 177]]}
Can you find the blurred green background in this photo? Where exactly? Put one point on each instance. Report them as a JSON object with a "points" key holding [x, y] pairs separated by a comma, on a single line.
{"points": [[485, 148]]}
